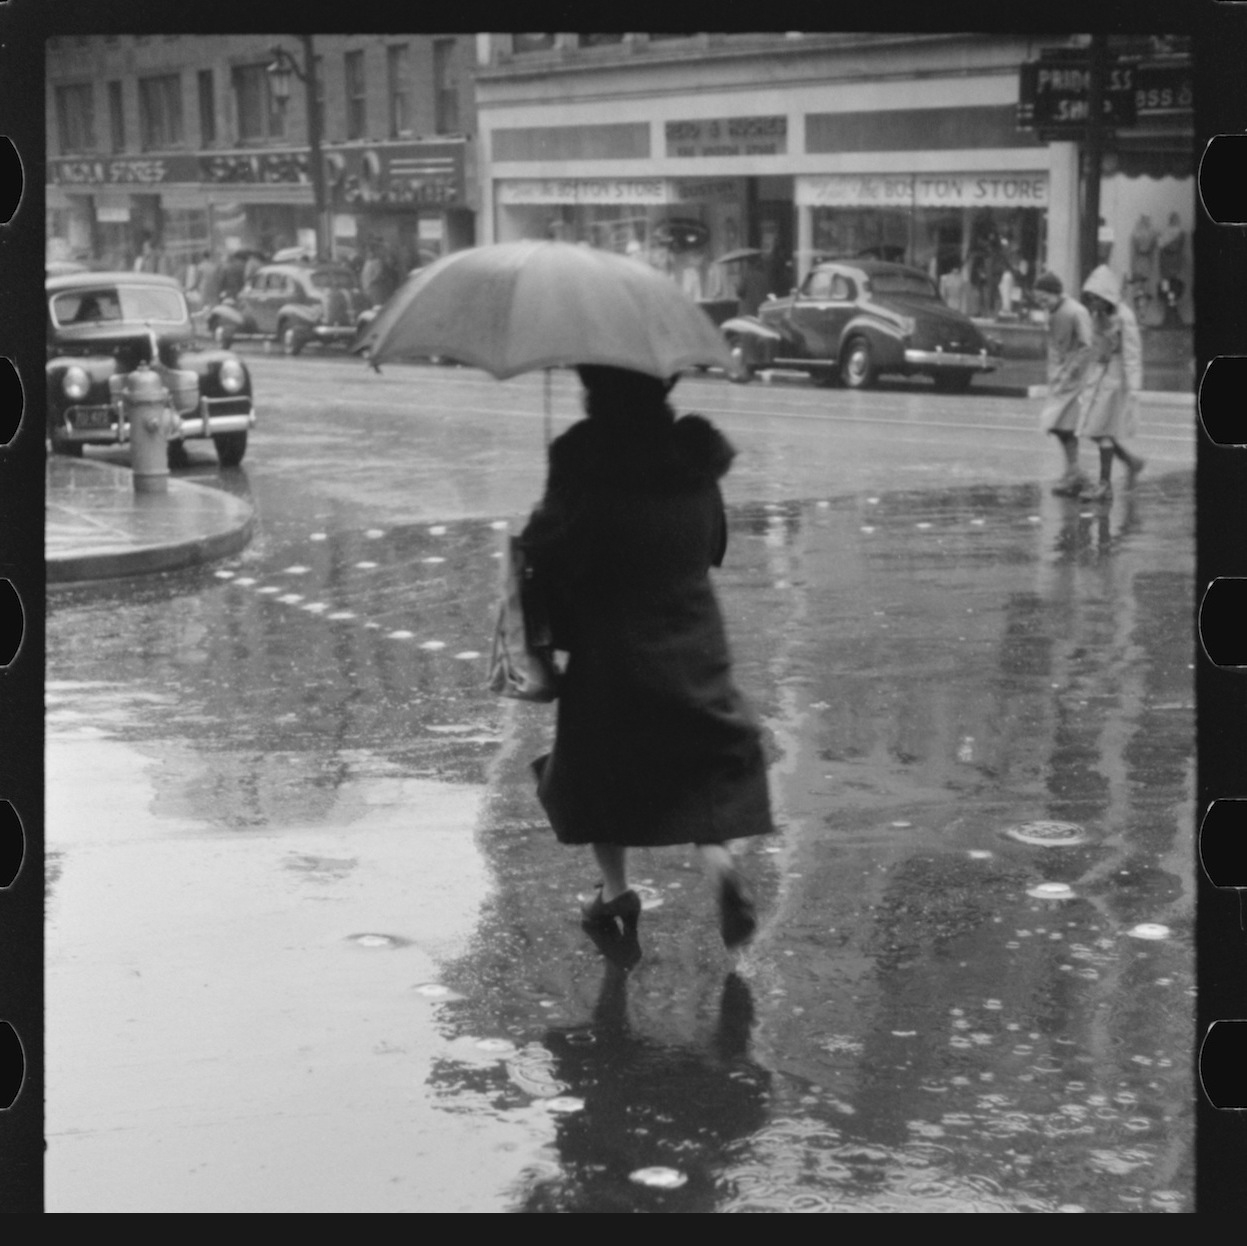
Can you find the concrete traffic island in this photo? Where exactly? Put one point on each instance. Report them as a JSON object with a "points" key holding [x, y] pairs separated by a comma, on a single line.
{"points": [[98, 526]]}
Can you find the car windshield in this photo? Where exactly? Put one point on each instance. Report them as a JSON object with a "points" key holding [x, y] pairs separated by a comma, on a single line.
{"points": [[333, 279], [101, 304], [907, 285]]}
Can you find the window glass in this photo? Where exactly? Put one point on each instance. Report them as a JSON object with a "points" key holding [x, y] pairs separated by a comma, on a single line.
{"points": [[356, 97], [101, 304], [160, 111], [907, 285], [818, 285], [842, 289], [75, 110]]}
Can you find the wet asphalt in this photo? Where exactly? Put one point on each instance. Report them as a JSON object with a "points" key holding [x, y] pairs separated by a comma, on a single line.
{"points": [[305, 915]]}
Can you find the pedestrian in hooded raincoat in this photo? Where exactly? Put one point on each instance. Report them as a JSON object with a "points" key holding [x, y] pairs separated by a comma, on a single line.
{"points": [[1069, 353], [1109, 406], [653, 743]]}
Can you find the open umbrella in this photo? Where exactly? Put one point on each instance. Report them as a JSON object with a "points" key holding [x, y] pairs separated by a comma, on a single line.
{"points": [[743, 253], [514, 307]]}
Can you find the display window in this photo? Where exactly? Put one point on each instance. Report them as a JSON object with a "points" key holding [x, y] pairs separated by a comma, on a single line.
{"points": [[985, 259], [679, 236]]}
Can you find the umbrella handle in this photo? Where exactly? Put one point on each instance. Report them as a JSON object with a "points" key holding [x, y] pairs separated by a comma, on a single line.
{"points": [[547, 392]]}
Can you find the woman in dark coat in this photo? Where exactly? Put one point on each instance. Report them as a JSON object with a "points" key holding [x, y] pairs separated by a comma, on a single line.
{"points": [[653, 745]]}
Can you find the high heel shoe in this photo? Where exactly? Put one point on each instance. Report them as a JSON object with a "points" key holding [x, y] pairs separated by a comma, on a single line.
{"points": [[626, 907], [738, 918]]}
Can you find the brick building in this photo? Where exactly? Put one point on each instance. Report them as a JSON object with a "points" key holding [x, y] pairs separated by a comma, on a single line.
{"points": [[184, 140]]}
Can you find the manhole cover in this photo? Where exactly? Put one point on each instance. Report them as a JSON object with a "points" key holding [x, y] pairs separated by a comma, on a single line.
{"points": [[1047, 834]]}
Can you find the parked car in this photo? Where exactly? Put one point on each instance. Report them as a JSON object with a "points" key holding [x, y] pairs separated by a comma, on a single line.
{"points": [[101, 326], [293, 304], [857, 320]]}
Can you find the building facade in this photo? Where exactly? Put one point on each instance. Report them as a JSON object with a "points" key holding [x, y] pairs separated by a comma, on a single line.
{"points": [[184, 142], [683, 148]]}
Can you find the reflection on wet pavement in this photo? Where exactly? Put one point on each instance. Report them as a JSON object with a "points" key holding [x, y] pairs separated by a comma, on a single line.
{"points": [[937, 1015]]}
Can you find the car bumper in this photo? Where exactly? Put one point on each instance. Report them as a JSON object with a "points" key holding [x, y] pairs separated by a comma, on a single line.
{"points": [[102, 425], [927, 359], [333, 332], [214, 416]]}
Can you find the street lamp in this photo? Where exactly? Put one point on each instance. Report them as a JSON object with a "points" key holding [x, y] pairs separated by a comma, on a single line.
{"points": [[279, 70]]}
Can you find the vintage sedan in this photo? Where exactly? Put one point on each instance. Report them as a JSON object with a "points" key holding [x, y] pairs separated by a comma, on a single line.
{"points": [[293, 304], [857, 320], [101, 326]]}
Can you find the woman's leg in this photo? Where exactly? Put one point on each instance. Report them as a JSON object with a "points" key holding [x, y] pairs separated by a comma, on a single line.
{"points": [[612, 861], [737, 918]]}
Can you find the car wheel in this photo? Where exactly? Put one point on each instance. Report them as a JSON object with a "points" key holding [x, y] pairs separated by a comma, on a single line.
{"points": [[222, 334], [954, 381], [70, 449], [857, 370], [292, 339], [230, 447], [177, 455], [741, 371]]}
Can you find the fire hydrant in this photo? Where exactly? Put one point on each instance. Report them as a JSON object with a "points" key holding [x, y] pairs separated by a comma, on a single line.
{"points": [[145, 406]]}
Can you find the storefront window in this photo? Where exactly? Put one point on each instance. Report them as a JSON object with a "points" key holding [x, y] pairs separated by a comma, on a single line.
{"points": [[993, 254], [681, 236]]}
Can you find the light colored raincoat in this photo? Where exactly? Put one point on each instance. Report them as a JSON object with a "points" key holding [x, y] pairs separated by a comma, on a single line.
{"points": [[1069, 353], [1115, 375]]}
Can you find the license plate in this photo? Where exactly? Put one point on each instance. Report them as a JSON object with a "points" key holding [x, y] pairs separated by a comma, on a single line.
{"points": [[93, 417]]}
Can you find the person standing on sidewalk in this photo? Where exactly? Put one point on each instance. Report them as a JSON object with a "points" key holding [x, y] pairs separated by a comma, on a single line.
{"points": [[654, 745], [1108, 409], [1069, 352]]}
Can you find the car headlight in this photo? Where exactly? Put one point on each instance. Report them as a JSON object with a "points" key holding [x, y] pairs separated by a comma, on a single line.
{"points": [[908, 325], [232, 376], [76, 383]]}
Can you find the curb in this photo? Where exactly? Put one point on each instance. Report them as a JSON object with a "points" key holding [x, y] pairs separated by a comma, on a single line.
{"points": [[226, 530]]}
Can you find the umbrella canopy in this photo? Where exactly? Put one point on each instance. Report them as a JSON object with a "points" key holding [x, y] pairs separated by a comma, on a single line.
{"points": [[515, 307], [734, 257]]}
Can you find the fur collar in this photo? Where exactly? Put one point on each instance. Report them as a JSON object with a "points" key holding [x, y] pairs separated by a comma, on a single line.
{"points": [[648, 454]]}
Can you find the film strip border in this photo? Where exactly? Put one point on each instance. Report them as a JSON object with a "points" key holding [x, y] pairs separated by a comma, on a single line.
{"points": [[1221, 611], [21, 610], [1220, 28]]}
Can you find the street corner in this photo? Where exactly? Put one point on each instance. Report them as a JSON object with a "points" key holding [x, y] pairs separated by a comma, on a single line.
{"points": [[99, 526]]}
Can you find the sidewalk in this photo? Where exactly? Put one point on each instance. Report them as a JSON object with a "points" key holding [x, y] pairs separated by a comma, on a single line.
{"points": [[97, 527]]}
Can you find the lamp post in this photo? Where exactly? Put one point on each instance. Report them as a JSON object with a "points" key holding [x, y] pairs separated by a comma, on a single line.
{"points": [[279, 71]]}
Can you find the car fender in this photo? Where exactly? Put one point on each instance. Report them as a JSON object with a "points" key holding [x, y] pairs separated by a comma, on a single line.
{"points": [[887, 341], [206, 364], [759, 342], [98, 367], [230, 314]]}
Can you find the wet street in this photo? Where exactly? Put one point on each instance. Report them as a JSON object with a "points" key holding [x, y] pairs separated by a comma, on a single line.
{"points": [[312, 947]]}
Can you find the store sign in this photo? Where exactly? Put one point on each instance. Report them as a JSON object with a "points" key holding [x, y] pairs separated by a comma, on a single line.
{"points": [[1054, 92], [728, 136], [582, 190], [122, 172], [705, 190], [382, 175], [855, 191], [981, 190], [925, 190]]}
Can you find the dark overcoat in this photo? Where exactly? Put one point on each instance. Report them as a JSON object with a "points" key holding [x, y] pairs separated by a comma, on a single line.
{"points": [[653, 743]]}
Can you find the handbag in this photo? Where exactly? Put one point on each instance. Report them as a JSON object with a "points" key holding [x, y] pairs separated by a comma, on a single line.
{"points": [[521, 665]]}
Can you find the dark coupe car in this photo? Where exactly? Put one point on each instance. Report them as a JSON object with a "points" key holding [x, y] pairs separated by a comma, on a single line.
{"points": [[857, 320], [293, 304], [101, 326]]}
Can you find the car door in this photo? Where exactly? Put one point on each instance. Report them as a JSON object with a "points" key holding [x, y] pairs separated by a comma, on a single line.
{"points": [[271, 298], [808, 316]]}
